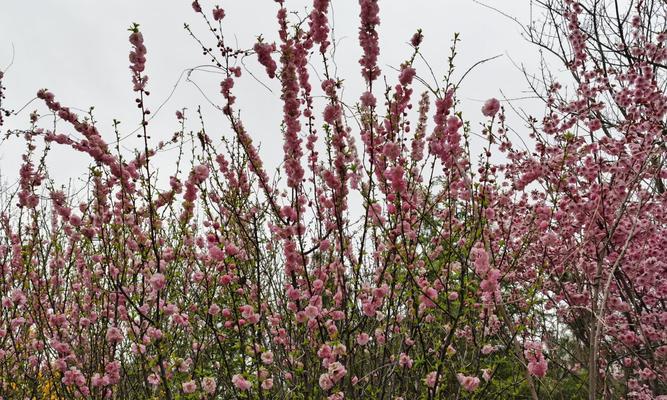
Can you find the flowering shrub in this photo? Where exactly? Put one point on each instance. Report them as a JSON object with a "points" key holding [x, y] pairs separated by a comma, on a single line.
{"points": [[388, 261]]}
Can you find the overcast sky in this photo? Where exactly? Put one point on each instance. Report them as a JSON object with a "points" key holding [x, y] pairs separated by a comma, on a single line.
{"points": [[79, 50]]}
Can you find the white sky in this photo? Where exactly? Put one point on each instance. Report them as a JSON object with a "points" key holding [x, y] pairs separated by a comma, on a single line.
{"points": [[79, 50]]}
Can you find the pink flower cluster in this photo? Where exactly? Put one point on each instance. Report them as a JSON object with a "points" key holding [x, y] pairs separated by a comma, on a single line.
{"points": [[319, 29], [138, 59], [469, 383], [241, 383], [491, 107], [218, 13], [366, 268], [264, 51], [368, 39], [537, 364], [290, 59]]}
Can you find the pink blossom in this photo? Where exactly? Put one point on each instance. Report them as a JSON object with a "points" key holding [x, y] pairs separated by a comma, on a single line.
{"points": [[214, 309], [73, 377], [112, 373], [486, 374], [336, 371], [368, 100], [331, 114], [267, 384], [361, 237], [208, 385], [488, 349], [405, 361], [318, 284], [18, 297], [97, 380], [264, 51], [137, 64], [114, 335], [325, 381], [218, 13], [363, 338], [231, 250], [491, 107], [469, 383], [241, 383], [430, 379], [153, 379], [336, 396], [537, 364], [594, 124], [406, 75], [200, 173], [324, 351], [189, 386], [417, 38], [158, 281], [267, 357], [216, 253], [318, 24], [312, 312], [538, 367], [368, 38]]}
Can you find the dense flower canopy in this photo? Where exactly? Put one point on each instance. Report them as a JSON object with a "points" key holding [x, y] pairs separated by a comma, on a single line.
{"points": [[386, 260]]}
